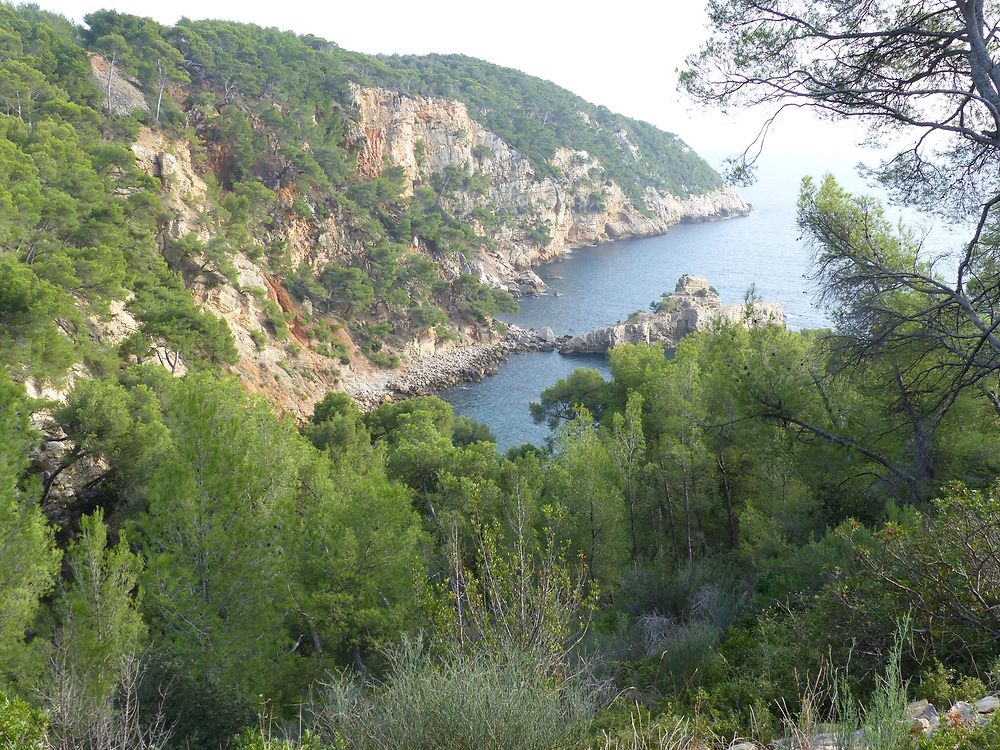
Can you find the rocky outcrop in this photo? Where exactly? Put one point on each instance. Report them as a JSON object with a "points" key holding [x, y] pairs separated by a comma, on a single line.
{"points": [[125, 96], [426, 135], [922, 717], [693, 306], [185, 192]]}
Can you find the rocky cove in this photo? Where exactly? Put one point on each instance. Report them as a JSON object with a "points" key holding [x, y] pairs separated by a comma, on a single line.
{"points": [[693, 306], [593, 288], [423, 136]]}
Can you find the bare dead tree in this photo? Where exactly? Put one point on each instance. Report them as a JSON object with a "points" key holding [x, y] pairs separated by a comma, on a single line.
{"points": [[162, 77], [81, 720], [111, 76], [522, 597]]}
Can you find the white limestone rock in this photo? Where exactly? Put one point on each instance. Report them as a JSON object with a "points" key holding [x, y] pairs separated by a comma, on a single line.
{"points": [[693, 306]]}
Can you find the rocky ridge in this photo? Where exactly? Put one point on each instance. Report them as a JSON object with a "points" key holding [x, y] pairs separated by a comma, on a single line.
{"points": [[693, 306], [426, 135]]}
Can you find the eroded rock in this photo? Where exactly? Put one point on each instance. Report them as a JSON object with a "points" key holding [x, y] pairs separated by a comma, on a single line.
{"points": [[693, 306], [426, 135]]}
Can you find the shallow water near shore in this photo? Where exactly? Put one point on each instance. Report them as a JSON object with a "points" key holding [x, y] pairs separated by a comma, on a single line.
{"points": [[600, 285]]}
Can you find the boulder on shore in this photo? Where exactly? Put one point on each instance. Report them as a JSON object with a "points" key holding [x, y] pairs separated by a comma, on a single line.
{"points": [[693, 306]]}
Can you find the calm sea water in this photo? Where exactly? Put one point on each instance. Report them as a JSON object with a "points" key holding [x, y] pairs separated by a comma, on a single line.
{"points": [[601, 285]]}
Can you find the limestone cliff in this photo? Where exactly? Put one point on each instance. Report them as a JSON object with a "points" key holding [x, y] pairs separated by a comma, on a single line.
{"points": [[579, 206], [693, 306], [539, 218]]}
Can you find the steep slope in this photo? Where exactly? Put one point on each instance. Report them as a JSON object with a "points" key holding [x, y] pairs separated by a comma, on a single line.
{"points": [[538, 118], [290, 218], [574, 202]]}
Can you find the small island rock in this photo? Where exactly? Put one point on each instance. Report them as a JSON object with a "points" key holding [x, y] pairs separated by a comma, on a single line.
{"points": [[693, 306]]}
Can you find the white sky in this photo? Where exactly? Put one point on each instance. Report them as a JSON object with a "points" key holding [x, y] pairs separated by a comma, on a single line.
{"points": [[623, 54]]}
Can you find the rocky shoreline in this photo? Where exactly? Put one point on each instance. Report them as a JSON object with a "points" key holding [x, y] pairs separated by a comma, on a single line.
{"points": [[693, 306], [467, 364], [427, 135]]}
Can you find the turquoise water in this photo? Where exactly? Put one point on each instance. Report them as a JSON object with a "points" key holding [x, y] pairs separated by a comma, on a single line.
{"points": [[603, 284]]}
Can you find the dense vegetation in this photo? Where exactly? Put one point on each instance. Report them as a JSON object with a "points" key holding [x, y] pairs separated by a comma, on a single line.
{"points": [[271, 112], [762, 532], [719, 552]]}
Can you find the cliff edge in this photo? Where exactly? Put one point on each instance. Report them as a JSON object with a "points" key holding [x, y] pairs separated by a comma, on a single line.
{"points": [[542, 217]]}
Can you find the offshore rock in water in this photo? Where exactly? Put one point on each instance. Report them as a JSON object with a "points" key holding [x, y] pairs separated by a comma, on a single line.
{"points": [[693, 306]]}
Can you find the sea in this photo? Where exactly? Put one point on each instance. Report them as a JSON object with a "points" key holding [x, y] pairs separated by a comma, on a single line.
{"points": [[597, 286]]}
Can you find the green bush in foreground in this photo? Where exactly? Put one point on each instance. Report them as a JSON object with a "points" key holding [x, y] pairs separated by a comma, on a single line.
{"points": [[962, 738], [463, 701], [21, 726]]}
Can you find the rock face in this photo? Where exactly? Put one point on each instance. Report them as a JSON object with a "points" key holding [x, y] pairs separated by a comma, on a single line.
{"points": [[426, 135], [125, 95], [693, 306]]}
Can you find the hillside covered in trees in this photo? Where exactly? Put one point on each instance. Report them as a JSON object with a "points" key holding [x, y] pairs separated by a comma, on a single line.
{"points": [[766, 537], [243, 165]]}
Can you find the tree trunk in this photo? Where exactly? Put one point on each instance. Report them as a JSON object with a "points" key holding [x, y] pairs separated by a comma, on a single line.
{"points": [[728, 497], [356, 661], [631, 519], [159, 100], [111, 75], [687, 516], [670, 520]]}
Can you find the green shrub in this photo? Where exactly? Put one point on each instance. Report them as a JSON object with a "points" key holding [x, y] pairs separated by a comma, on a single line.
{"points": [[301, 208], [597, 202], [689, 657], [943, 687], [639, 732], [253, 738], [381, 359], [21, 726], [483, 152], [467, 431], [538, 231], [885, 726], [986, 737], [461, 701], [446, 334], [259, 339], [276, 319], [665, 305], [335, 350]]}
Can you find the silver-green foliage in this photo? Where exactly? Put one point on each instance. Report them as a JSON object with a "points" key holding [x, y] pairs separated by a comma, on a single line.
{"points": [[472, 700], [885, 726]]}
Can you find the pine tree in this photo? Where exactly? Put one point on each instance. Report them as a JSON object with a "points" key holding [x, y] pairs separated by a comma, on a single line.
{"points": [[29, 560]]}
